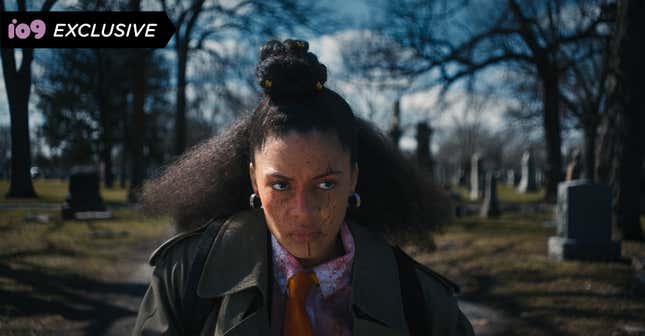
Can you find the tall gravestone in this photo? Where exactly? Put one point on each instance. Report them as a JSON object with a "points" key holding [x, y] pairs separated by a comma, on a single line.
{"points": [[527, 183], [395, 128], [510, 177], [583, 218], [476, 177], [574, 168], [84, 196], [490, 208]]}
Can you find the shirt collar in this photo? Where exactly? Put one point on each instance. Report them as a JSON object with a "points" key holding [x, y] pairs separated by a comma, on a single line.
{"points": [[332, 275]]}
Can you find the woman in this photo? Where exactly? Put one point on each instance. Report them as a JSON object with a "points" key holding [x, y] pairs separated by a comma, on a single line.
{"points": [[293, 196]]}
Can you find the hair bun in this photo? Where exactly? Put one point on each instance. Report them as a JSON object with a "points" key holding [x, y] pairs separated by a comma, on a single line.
{"points": [[289, 69]]}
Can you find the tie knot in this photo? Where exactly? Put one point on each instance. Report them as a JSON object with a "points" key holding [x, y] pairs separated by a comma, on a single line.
{"points": [[300, 283]]}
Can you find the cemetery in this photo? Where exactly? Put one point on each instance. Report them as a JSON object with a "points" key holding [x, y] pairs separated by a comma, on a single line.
{"points": [[501, 146]]}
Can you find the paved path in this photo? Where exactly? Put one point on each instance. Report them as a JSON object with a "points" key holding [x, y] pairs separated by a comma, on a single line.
{"points": [[141, 277], [485, 320]]}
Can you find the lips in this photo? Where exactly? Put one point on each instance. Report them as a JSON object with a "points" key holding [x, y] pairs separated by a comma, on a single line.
{"points": [[304, 236]]}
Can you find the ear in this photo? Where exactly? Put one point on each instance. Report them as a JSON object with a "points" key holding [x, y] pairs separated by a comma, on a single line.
{"points": [[354, 177], [254, 184]]}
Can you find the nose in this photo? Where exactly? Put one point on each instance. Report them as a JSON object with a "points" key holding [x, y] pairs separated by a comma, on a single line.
{"points": [[302, 204]]}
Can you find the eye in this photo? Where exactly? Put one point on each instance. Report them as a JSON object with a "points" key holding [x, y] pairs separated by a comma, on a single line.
{"points": [[327, 185], [279, 186]]}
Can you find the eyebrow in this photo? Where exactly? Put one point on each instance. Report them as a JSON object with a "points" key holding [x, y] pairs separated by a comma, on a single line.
{"points": [[327, 173]]}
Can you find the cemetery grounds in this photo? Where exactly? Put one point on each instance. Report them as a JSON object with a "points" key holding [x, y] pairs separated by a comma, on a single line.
{"points": [[68, 277]]}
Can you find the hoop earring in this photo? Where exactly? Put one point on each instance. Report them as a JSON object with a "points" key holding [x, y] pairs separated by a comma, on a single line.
{"points": [[255, 202], [354, 200]]}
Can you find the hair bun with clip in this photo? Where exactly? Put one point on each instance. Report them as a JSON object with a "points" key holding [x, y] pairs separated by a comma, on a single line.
{"points": [[288, 69]]}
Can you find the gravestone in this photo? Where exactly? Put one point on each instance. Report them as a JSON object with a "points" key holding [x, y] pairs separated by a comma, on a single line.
{"points": [[510, 177], [574, 168], [476, 177], [84, 200], [583, 217], [395, 127], [490, 208], [527, 183]]}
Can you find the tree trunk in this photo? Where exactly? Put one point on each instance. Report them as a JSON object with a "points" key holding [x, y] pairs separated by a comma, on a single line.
{"points": [[106, 124], [139, 61], [106, 154], [180, 115], [138, 124], [18, 87], [125, 147], [551, 123], [590, 134], [621, 150]]}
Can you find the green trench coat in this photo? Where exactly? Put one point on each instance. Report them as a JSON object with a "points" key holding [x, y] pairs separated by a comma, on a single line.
{"points": [[237, 271]]}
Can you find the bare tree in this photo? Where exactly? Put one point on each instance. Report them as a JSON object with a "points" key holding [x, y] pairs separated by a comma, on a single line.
{"points": [[199, 22], [622, 142], [527, 33], [18, 86]]}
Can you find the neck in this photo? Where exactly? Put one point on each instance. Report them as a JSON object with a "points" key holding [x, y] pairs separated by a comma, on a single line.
{"points": [[334, 251]]}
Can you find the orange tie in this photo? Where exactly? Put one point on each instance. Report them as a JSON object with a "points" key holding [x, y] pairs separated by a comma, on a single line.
{"points": [[296, 321]]}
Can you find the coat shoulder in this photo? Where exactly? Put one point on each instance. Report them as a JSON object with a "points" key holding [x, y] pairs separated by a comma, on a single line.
{"points": [[438, 279], [175, 243]]}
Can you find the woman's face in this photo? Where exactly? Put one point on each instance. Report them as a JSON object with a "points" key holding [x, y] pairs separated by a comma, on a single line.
{"points": [[303, 181]]}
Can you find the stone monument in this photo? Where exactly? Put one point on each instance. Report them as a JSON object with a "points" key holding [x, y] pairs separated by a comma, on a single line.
{"points": [[490, 208], [476, 177], [527, 183], [583, 217], [574, 168], [84, 200]]}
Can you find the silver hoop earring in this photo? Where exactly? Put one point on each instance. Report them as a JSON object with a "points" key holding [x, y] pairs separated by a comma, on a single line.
{"points": [[255, 202], [354, 200]]}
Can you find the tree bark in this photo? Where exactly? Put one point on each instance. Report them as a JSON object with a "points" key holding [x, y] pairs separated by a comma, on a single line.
{"points": [[137, 162], [180, 116], [18, 87], [590, 129], [552, 134], [620, 159], [105, 120]]}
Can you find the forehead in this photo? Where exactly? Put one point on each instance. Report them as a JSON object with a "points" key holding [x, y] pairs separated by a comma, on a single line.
{"points": [[296, 149]]}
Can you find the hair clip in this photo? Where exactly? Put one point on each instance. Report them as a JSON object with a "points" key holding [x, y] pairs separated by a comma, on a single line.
{"points": [[266, 83], [318, 86]]}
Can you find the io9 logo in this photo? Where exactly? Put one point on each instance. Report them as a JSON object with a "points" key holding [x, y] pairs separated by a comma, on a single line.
{"points": [[22, 31]]}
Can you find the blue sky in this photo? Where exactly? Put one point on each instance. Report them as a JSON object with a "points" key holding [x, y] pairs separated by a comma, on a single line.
{"points": [[415, 106]]}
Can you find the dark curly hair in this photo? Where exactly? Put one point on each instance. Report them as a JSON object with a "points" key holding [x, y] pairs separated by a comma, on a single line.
{"points": [[212, 179]]}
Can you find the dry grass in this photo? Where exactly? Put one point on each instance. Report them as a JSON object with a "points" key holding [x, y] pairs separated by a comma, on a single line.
{"points": [[503, 263], [56, 191], [49, 272]]}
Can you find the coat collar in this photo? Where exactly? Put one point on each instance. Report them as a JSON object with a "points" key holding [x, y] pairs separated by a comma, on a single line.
{"points": [[239, 259]]}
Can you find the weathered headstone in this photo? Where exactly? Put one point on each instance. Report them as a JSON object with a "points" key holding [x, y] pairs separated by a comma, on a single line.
{"points": [[84, 199], [527, 183], [395, 127], [490, 208], [510, 177], [583, 218], [476, 177], [574, 168]]}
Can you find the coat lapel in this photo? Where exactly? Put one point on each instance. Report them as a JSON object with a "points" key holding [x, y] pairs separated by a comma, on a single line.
{"points": [[378, 305], [236, 269]]}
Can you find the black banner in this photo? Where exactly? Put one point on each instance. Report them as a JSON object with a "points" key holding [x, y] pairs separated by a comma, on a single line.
{"points": [[85, 29]]}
